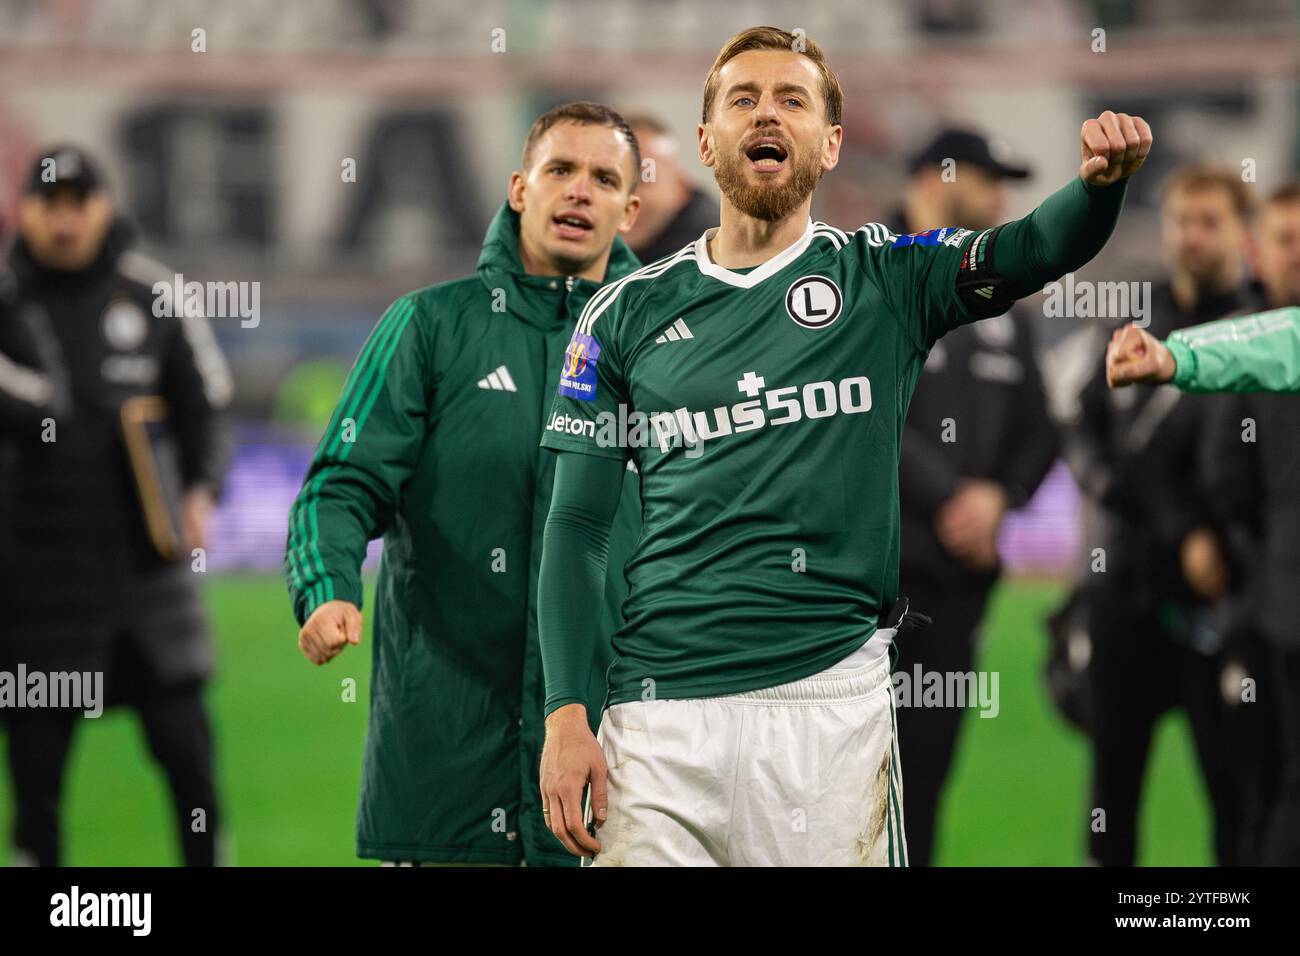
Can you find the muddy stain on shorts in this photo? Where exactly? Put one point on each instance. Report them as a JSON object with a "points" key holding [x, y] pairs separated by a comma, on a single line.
{"points": [[878, 798]]}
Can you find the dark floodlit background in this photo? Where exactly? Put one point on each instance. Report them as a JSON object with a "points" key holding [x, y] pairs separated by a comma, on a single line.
{"points": [[230, 163]]}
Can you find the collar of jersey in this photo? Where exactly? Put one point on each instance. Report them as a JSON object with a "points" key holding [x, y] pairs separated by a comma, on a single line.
{"points": [[748, 280]]}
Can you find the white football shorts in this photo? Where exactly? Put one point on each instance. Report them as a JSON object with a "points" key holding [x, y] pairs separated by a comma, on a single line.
{"points": [[801, 774]]}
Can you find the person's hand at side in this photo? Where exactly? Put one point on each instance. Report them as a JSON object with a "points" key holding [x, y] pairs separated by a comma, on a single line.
{"points": [[967, 523], [196, 514], [1203, 564], [332, 626], [571, 757]]}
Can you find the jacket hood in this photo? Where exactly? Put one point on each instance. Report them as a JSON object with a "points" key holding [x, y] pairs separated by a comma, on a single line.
{"points": [[499, 266]]}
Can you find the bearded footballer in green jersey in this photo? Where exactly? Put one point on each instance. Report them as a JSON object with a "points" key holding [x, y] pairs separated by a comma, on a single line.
{"points": [[760, 378]]}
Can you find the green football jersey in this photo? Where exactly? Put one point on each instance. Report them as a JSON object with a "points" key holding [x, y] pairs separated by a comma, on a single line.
{"points": [[764, 410]]}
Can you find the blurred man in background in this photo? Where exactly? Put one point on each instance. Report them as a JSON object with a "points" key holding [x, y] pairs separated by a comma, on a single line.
{"points": [[434, 446], [673, 211], [977, 441], [1153, 642], [90, 586], [1250, 457]]}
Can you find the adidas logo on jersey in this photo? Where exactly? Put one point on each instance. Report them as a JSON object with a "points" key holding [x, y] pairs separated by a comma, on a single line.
{"points": [[675, 332], [498, 380]]}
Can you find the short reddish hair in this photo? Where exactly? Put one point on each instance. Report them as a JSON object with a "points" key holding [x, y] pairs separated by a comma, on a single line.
{"points": [[774, 38]]}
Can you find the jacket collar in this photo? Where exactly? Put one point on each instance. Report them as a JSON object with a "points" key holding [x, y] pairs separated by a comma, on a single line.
{"points": [[542, 301]]}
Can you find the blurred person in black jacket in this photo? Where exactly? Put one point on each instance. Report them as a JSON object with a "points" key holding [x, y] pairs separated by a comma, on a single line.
{"points": [[674, 212], [1251, 461], [1152, 636], [977, 441], [86, 588]]}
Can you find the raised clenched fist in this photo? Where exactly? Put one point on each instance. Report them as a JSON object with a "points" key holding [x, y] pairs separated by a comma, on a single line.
{"points": [[1112, 147]]}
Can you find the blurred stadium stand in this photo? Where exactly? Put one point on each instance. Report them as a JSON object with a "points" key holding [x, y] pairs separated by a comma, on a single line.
{"points": [[230, 160]]}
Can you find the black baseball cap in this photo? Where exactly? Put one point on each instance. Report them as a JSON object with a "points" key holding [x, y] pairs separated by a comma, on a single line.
{"points": [[967, 146], [63, 167]]}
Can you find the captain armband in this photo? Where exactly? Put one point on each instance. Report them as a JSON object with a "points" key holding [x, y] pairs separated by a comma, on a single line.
{"points": [[979, 286]]}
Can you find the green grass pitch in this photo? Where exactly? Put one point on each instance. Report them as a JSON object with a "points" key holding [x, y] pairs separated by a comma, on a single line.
{"points": [[289, 755]]}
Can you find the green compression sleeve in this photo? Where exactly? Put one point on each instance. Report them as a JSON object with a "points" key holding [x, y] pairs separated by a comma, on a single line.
{"points": [[571, 579], [1254, 353], [1066, 230]]}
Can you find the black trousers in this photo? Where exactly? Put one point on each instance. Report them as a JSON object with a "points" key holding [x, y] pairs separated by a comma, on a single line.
{"points": [[176, 726], [1281, 841], [1137, 672], [1252, 727], [927, 736]]}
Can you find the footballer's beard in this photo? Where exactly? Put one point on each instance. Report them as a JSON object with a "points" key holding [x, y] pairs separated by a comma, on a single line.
{"points": [[768, 203]]}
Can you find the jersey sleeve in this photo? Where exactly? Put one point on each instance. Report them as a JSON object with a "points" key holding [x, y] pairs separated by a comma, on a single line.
{"points": [[592, 389], [572, 576], [1255, 353], [919, 275], [942, 278]]}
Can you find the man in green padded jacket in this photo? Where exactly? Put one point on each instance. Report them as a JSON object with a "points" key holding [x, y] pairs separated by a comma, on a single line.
{"points": [[434, 446]]}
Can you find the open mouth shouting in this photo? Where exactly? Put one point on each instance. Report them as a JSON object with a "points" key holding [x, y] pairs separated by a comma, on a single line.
{"points": [[767, 154], [572, 224]]}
